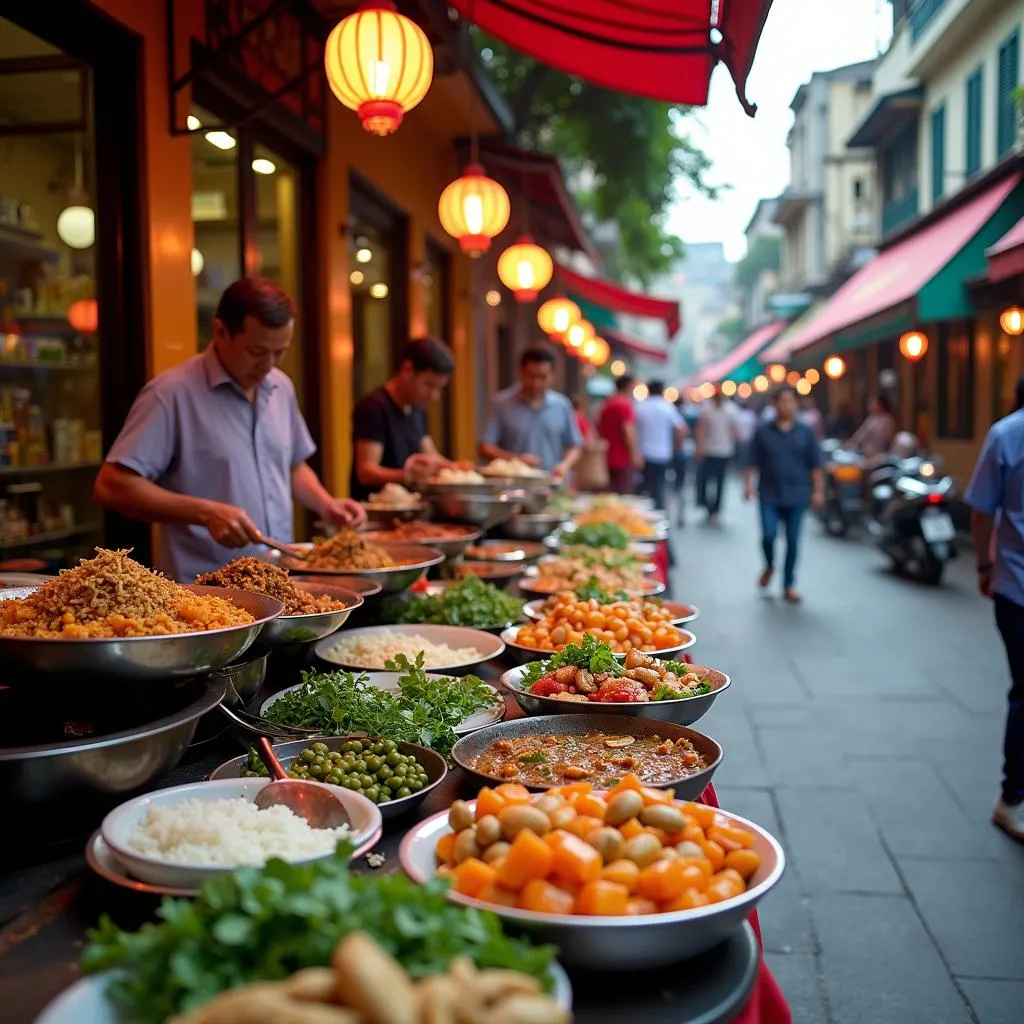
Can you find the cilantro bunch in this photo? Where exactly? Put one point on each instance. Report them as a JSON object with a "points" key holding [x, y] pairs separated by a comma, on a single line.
{"points": [[470, 602], [593, 591], [598, 535], [592, 654]]}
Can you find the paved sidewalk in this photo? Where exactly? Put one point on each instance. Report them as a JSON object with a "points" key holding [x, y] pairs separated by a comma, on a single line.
{"points": [[864, 729]]}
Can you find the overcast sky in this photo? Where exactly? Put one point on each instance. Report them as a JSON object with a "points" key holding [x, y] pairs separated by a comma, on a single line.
{"points": [[750, 153]]}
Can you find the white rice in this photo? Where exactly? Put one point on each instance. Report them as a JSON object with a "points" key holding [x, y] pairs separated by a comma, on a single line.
{"points": [[374, 650], [230, 831]]}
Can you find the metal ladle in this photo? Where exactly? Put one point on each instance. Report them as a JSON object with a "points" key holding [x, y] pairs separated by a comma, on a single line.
{"points": [[310, 801], [294, 553]]}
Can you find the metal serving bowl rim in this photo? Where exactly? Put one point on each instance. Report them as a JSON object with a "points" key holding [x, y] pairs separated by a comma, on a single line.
{"points": [[655, 587], [373, 506], [474, 534], [228, 593], [374, 589], [302, 569], [518, 550], [211, 696], [506, 570], [305, 616], [510, 633], [509, 681], [408, 626], [694, 612], [672, 917]]}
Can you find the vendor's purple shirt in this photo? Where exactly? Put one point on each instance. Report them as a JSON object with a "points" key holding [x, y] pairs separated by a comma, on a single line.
{"points": [[193, 431]]}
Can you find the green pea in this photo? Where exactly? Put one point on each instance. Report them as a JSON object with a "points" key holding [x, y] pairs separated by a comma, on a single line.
{"points": [[378, 748], [404, 791], [394, 758], [415, 785], [372, 792], [316, 771], [319, 748], [373, 763], [385, 772], [390, 745], [402, 771], [395, 782], [307, 755], [349, 747]]}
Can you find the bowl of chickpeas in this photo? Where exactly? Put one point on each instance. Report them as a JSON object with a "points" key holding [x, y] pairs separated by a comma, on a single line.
{"points": [[624, 625]]}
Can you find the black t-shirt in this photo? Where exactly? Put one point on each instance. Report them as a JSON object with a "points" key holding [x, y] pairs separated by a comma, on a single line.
{"points": [[378, 417]]}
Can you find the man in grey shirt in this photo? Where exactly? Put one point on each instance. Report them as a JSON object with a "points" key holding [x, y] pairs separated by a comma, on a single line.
{"points": [[214, 451], [531, 422]]}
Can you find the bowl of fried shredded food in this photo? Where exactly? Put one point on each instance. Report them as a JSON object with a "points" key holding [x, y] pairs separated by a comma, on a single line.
{"points": [[112, 617], [451, 539], [312, 610]]}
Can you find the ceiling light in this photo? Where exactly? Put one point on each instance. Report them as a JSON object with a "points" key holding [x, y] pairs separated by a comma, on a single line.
{"points": [[198, 261], [222, 140], [379, 290], [356, 277], [193, 123], [640, 392], [493, 297], [76, 226], [261, 165], [618, 368], [364, 255]]}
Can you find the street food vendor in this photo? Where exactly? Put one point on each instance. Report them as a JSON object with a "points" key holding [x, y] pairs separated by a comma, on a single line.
{"points": [[215, 451], [389, 425], [531, 422]]}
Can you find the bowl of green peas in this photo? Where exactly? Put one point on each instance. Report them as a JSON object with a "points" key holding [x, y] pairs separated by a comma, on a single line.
{"points": [[393, 774]]}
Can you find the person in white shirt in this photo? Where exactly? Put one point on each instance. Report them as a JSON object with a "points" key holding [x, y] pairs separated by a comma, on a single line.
{"points": [[748, 424], [660, 429], [718, 430]]}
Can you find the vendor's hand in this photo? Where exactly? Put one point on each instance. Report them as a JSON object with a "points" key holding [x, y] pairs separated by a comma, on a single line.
{"points": [[229, 525], [422, 466], [344, 512], [638, 462], [818, 501], [530, 460], [985, 582], [748, 492], [559, 472], [465, 464]]}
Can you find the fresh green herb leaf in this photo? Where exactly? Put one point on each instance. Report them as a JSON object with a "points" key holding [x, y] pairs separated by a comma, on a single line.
{"points": [[592, 654], [537, 757], [470, 602], [266, 923], [598, 535], [592, 591]]}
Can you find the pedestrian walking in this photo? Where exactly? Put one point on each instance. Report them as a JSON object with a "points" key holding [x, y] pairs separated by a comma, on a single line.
{"points": [[786, 460], [660, 429], [680, 464], [747, 420], [718, 430], [996, 497], [616, 424]]}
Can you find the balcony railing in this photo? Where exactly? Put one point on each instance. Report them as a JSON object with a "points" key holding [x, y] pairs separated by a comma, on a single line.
{"points": [[922, 14], [898, 212]]}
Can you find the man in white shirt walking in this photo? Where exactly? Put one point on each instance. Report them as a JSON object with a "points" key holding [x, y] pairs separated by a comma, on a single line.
{"points": [[718, 430], [660, 429]]}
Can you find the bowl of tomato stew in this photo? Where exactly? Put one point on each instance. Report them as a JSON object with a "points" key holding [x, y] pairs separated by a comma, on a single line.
{"points": [[542, 753]]}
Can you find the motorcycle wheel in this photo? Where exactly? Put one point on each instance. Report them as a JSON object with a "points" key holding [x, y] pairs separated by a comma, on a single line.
{"points": [[930, 571]]}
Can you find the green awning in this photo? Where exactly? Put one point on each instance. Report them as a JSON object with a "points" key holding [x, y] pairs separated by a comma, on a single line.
{"points": [[597, 315]]}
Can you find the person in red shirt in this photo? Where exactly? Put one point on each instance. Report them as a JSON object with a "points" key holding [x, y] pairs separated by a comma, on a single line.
{"points": [[579, 403], [617, 426]]}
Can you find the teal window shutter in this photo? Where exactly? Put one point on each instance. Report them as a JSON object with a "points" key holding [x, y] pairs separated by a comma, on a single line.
{"points": [[938, 152], [974, 117], [1008, 80]]}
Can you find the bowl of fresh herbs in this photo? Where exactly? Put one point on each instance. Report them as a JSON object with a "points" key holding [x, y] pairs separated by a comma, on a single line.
{"points": [[469, 601]]}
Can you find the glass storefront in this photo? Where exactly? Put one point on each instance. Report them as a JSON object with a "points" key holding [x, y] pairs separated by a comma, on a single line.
{"points": [[50, 386]]}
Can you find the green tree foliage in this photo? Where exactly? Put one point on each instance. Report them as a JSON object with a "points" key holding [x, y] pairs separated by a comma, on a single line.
{"points": [[764, 254], [630, 153]]}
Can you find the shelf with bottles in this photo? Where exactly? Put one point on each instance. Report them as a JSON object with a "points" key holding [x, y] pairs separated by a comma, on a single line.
{"points": [[52, 467], [47, 537], [40, 431]]}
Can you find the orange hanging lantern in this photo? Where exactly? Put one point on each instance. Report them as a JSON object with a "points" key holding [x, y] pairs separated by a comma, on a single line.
{"points": [[379, 63], [776, 373], [83, 316], [556, 316], [579, 333], [601, 353], [525, 268], [1012, 320], [474, 209], [913, 345], [835, 367]]}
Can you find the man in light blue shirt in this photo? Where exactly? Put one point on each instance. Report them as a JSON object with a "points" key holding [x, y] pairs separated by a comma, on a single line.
{"points": [[660, 429], [531, 422], [996, 492], [214, 451]]}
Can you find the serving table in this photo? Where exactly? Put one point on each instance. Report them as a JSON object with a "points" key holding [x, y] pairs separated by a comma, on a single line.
{"points": [[49, 899]]}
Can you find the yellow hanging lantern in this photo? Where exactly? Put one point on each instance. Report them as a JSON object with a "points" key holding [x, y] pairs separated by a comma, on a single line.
{"points": [[835, 367], [379, 63], [525, 268], [913, 345], [776, 373], [579, 333], [601, 352], [474, 209], [556, 316], [1012, 320]]}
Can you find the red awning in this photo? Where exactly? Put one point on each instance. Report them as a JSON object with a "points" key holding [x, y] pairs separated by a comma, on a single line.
{"points": [[614, 296], [1006, 257], [732, 360], [656, 48], [898, 273], [617, 338]]}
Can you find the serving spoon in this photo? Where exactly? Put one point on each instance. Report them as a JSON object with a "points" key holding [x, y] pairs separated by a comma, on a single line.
{"points": [[294, 553], [311, 801]]}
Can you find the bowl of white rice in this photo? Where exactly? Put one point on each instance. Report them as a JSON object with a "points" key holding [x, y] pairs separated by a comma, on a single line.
{"points": [[443, 647], [179, 837]]}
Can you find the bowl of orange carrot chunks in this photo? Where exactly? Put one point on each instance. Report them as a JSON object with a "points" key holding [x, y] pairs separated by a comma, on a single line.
{"points": [[622, 879]]}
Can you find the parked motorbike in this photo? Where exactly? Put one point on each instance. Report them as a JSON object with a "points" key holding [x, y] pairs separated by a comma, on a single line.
{"points": [[843, 507], [910, 517]]}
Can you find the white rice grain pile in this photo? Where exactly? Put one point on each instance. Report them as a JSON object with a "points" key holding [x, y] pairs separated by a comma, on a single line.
{"points": [[229, 832], [373, 651]]}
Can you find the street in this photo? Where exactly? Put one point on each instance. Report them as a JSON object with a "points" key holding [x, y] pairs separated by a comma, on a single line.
{"points": [[864, 729]]}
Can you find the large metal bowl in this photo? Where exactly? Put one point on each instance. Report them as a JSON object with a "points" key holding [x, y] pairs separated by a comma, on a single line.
{"points": [[366, 589], [483, 509], [683, 711], [527, 551], [533, 525], [144, 658], [106, 767], [681, 613], [435, 488], [412, 560], [528, 584], [433, 764], [304, 629], [435, 587], [450, 547], [243, 678], [520, 653], [499, 574], [615, 943], [382, 516], [687, 787]]}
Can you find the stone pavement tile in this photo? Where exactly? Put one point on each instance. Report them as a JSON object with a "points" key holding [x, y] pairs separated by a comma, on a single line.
{"points": [[742, 764], [798, 976], [833, 842], [879, 964], [973, 909], [994, 1002], [802, 757], [846, 673], [791, 716], [915, 812]]}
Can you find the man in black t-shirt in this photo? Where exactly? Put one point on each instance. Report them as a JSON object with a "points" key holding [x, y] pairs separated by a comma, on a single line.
{"points": [[389, 425]]}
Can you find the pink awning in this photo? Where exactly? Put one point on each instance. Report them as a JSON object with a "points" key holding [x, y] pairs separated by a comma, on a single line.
{"points": [[658, 355], [1006, 257], [746, 349], [898, 273], [613, 296]]}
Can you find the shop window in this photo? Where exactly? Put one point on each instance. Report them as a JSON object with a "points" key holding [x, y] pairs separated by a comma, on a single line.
{"points": [[377, 271], [436, 282], [50, 344], [956, 380], [938, 120], [1008, 78], [974, 123]]}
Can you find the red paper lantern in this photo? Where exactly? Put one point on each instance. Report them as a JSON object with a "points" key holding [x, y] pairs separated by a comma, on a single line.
{"points": [[83, 316]]}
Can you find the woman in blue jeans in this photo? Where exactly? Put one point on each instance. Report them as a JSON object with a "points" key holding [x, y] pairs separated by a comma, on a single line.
{"points": [[785, 457]]}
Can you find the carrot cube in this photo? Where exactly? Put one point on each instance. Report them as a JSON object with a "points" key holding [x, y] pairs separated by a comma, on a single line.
{"points": [[544, 898], [445, 849], [472, 875], [582, 825], [576, 861], [591, 805], [624, 872], [601, 898], [529, 857], [498, 895], [628, 781], [636, 906], [513, 793], [489, 802], [661, 881]]}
